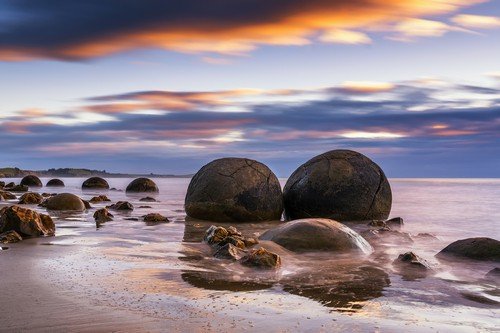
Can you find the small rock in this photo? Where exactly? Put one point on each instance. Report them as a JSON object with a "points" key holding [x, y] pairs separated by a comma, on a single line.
{"points": [[103, 215], [100, 198], [11, 184], [261, 258], [30, 199], [48, 195], [148, 199], [494, 274], [234, 240], [425, 235], [215, 235], [232, 231], [411, 259], [250, 241], [86, 204], [131, 219], [121, 205], [377, 223], [10, 237], [145, 207], [155, 217], [396, 222], [26, 222], [7, 195], [229, 251]]}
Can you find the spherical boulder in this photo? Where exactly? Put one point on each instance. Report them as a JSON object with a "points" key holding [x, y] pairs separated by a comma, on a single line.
{"points": [[95, 183], [234, 190], [65, 201], [317, 235], [142, 185], [340, 184], [31, 181], [55, 183]]}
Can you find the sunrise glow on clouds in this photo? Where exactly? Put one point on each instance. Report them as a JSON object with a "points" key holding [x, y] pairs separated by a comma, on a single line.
{"points": [[93, 84]]}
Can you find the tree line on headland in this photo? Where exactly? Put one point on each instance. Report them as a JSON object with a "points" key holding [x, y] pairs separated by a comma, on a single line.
{"points": [[13, 172]]}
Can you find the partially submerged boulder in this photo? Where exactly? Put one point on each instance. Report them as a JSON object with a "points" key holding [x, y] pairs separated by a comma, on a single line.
{"points": [[95, 183], [480, 248], [121, 205], [317, 235], [26, 222], [261, 258], [31, 181], [234, 190], [10, 237], [65, 201], [343, 185], [155, 218], [229, 251], [103, 215], [142, 185], [55, 183], [99, 198], [30, 198], [148, 199], [410, 259]]}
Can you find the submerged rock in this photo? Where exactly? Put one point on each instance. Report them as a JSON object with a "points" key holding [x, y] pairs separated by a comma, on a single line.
{"points": [[10, 237], [26, 222], [155, 218], [340, 184], [317, 235], [410, 258], [7, 195], [387, 234], [494, 274], [234, 190], [121, 205], [396, 222], [100, 198], [95, 183], [229, 251], [30, 199], [141, 185], [261, 258], [148, 199], [65, 201], [480, 248], [17, 188], [103, 215], [55, 183], [31, 181]]}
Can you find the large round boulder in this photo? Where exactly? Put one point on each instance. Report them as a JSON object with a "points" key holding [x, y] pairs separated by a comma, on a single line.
{"points": [[95, 183], [55, 183], [317, 235], [480, 248], [142, 185], [234, 190], [340, 184], [31, 181], [65, 201]]}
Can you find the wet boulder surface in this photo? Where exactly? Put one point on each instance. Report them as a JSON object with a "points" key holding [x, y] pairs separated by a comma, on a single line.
{"points": [[10, 237], [342, 185], [142, 185], [55, 183], [31, 198], [480, 248], [65, 202], [31, 181], [95, 183], [234, 190], [317, 235], [26, 222]]}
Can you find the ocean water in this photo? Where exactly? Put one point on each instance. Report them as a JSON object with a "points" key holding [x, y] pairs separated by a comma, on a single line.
{"points": [[164, 271]]}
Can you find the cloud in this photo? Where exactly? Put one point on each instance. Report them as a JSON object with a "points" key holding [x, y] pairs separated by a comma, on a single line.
{"points": [[477, 21], [345, 37], [70, 30], [410, 29]]}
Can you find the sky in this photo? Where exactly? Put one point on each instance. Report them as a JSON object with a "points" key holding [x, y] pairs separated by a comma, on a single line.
{"points": [[150, 86]]}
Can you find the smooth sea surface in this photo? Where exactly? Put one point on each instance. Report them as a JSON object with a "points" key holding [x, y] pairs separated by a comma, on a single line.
{"points": [[165, 271]]}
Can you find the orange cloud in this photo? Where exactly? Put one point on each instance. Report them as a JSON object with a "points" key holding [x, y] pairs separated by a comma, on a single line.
{"points": [[196, 31]]}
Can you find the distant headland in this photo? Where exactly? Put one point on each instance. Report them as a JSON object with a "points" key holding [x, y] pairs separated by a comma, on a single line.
{"points": [[13, 172]]}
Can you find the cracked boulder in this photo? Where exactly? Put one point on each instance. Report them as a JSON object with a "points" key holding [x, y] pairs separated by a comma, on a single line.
{"points": [[31, 198], [25, 222], [342, 185], [234, 190]]}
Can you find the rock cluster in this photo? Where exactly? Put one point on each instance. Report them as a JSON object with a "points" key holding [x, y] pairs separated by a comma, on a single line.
{"points": [[229, 243], [121, 205]]}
